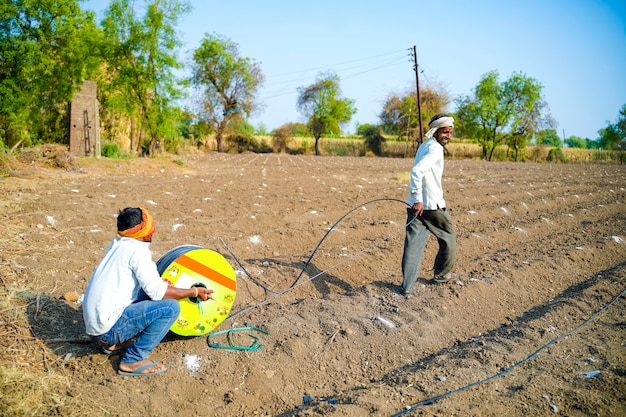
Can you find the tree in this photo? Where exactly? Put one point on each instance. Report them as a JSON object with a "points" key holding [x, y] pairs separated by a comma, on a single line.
{"points": [[500, 111], [575, 142], [592, 144], [229, 82], [140, 52], [400, 116], [549, 137], [614, 135], [362, 128], [325, 109], [45, 54], [525, 126]]}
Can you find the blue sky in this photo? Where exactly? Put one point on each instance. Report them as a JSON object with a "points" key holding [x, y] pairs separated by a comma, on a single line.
{"points": [[575, 48]]}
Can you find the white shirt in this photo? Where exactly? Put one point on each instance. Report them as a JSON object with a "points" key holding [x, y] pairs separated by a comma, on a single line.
{"points": [[426, 176], [125, 270]]}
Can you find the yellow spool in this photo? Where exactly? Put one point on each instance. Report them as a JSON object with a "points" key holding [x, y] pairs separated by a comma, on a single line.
{"points": [[192, 266]]}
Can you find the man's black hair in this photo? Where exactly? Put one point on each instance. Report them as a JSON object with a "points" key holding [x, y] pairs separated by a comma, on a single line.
{"points": [[128, 218], [438, 116]]}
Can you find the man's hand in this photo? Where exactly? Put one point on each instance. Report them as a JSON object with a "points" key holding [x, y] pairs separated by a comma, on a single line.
{"points": [[198, 292], [204, 293], [417, 209]]}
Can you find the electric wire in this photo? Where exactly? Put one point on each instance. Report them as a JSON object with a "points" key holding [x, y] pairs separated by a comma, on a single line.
{"points": [[338, 64], [291, 88], [343, 73], [499, 374], [278, 87]]}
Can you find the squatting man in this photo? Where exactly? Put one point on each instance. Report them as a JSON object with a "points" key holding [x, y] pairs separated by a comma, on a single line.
{"points": [[127, 307], [427, 211]]}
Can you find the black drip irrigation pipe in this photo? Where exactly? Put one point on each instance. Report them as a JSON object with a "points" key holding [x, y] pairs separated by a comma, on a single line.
{"points": [[165, 260], [295, 284], [499, 374], [333, 226]]}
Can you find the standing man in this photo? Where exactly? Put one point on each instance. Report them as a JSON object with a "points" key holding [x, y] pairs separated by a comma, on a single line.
{"points": [[427, 212], [126, 298]]}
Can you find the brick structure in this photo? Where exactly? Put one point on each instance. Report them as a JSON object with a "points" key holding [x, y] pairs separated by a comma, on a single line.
{"points": [[83, 129]]}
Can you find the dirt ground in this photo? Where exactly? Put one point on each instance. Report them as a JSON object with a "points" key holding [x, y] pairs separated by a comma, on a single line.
{"points": [[535, 326]]}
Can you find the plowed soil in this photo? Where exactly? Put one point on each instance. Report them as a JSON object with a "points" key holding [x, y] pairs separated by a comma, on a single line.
{"points": [[535, 326]]}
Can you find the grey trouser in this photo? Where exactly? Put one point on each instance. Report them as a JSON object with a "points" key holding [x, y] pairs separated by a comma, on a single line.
{"points": [[439, 223]]}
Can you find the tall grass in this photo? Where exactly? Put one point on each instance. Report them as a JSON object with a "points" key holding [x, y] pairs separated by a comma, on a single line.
{"points": [[466, 150], [455, 149]]}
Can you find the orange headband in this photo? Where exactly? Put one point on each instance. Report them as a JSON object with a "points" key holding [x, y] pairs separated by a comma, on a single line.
{"points": [[143, 229]]}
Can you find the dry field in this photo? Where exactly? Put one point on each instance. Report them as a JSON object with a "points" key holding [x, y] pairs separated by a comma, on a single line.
{"points": [[536, 325]]}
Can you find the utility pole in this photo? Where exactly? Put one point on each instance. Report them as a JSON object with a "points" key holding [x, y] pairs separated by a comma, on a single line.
{"points": [[417, 86]]}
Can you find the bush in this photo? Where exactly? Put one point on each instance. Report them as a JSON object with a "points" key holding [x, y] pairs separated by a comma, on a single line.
{"points": [[242, 142], [374, 139], [111, 150], [282, 137], [556, 155]]}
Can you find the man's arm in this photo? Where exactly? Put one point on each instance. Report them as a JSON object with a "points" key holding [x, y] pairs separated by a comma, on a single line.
{"points": [[178, 293]]}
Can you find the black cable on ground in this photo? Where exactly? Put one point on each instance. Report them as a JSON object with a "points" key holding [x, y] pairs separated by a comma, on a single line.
{"points": [[499, 374], [333, 226], [245, 270], [295, 284]]}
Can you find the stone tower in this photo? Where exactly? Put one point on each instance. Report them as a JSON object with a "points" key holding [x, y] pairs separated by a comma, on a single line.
{"points": [[83, 123]]}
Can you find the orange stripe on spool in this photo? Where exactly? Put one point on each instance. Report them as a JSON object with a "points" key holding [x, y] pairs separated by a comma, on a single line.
{"points": [[204, 270]]}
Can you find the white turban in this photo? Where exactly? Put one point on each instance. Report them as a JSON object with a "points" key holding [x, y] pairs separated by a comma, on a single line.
{"points": [[446, 121]]}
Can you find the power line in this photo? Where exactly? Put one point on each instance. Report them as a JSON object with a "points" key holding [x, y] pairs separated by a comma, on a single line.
{"points": [[341, 63], [376, 65], [290, 86]]}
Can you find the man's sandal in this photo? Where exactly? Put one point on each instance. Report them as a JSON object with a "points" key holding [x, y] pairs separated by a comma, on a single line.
{"points": [[137, 372]]}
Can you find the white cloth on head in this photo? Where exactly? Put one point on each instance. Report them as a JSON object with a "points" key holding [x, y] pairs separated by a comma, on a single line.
{"points": [[438, 124]]}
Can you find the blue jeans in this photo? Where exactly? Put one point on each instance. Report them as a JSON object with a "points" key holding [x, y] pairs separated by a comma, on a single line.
{"points": [[149, 321], [439, 223]]}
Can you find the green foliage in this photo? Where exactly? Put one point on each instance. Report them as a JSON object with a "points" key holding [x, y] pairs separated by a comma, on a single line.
{"points": [[361, 128], [192, 130], [45, 54], [592, 144], [261, 130], [549, 137], [374, 140], [556, 155], [229, 82], [575, 142], [323, 105], [613, 136], [111, 150], [245, 128], [499, 111], [516, 146], [300, 130], [140, 51]]}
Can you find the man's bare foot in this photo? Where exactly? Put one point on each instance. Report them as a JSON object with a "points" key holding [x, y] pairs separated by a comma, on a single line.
{"points": [[145, 367], [111, 349]]}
